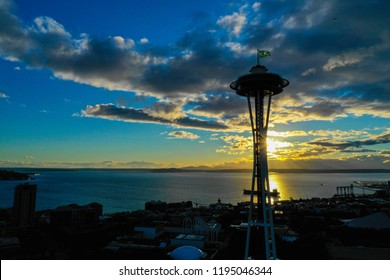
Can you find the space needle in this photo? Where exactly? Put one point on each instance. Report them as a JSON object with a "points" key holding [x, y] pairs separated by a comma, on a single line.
{"points": [[259, 87]]}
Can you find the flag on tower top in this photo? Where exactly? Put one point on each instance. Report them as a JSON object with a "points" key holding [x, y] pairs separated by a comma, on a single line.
{"points": [[261, 53]]}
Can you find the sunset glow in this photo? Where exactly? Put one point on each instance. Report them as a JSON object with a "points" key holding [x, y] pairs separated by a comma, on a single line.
{"points": [[273, 146], [130, 86]]}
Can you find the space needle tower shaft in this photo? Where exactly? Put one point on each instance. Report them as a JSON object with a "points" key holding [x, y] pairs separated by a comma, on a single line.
{"points": [[258, 88]]}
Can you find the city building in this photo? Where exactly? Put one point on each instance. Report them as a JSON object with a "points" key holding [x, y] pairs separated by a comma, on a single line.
{"points": [[24, 205], [75, 215]]}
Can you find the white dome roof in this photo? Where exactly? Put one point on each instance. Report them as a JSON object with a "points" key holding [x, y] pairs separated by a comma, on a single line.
{"points": [[187, 253]]}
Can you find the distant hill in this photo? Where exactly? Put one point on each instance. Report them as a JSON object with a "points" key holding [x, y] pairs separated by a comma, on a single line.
{"points": [[330, 170], [206, 169], [12, 175]]}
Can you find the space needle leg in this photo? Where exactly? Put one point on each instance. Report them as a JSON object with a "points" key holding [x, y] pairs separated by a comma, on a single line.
{"points": [[249, 226], [269, 209]]}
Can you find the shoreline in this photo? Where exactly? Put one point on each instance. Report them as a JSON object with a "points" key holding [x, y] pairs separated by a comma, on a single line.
{"points": [[200, 169]]}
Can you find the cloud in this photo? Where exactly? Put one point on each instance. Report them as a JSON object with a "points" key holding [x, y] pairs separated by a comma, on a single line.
{"points": [[144, 41], [109, 63], [256, 6], [381, 139], [47, 25], [216, 105], [359, 151], [111, 112], [235, 144], [344, 60], [285, 111], [334, 144], [214, 137], [302, 153], [340, 134], [317, 163], [309, 71], [334, 54], [358, 162], [298, 108], [191, 66], [284, 134], [183, 135], [3, 95], [311, 13], [233, 22], [165, 110]]}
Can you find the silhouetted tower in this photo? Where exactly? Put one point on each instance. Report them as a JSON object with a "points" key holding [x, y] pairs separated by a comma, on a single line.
{"points": [[24, 205], [255, 87]]}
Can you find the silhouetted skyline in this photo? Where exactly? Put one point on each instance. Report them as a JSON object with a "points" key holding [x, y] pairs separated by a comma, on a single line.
{"points": [[161, 73]]}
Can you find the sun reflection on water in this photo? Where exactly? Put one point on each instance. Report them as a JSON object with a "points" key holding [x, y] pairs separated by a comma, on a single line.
{"points": [[277, 182]]}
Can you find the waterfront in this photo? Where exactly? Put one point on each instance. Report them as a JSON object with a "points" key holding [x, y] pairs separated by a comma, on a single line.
{"points": [[120, 190]]}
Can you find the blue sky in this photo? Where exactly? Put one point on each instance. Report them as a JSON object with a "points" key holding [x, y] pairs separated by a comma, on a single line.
{"points": [[146, 83]]}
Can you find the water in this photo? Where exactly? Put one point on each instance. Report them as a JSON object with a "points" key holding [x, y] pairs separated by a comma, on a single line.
{"points": [[120, 190]]}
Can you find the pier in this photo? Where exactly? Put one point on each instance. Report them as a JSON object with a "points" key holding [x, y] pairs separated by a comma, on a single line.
{"points": [[345, 191]]}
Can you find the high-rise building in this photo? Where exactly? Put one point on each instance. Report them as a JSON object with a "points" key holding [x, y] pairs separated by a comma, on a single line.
{"points": [[24, 205]]}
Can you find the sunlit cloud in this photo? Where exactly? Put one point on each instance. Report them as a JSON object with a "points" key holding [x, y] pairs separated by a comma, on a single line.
{"points": [[339, 135], [183, 135], [235, 144], [328, 144], [284, 134], [165, 110]]}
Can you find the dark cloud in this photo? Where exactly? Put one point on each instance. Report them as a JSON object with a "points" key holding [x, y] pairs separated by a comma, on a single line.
{"points": [[196, 63], [12, 37], [344, 44], [322, 108], [203, 65], [111, 112], [315, 27], [220, 104], [360, 151], [381, 139]]}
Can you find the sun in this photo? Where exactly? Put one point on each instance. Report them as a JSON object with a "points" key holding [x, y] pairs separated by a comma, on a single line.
{"points": [[273, 146]]}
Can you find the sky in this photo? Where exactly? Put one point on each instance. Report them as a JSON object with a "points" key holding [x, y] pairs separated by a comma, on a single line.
{"points": [[145, 84]]}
